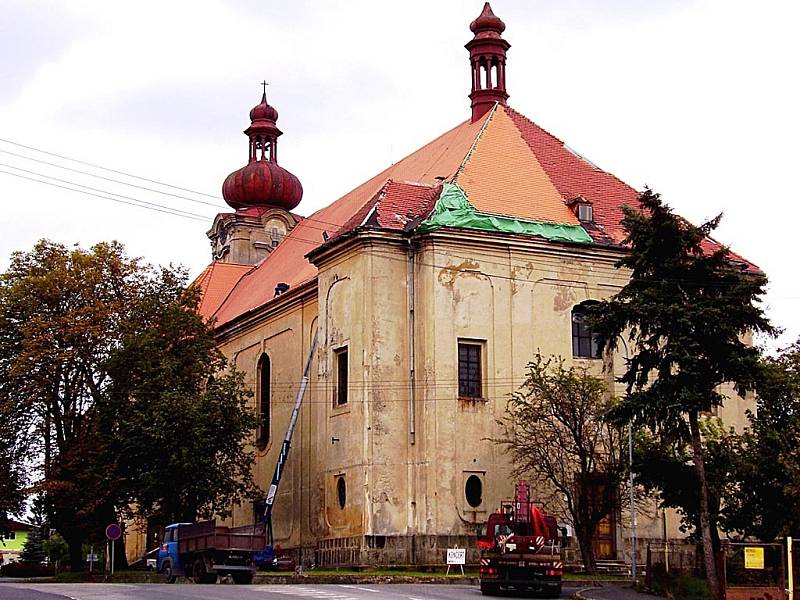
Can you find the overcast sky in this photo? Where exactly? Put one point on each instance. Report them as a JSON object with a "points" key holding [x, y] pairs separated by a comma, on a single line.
{"points": [[698, 100]]}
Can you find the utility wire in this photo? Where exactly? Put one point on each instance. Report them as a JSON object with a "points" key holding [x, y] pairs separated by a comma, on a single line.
{"points": [[141, 187], [127, 174], [138, 200], [165, 211], [309, 221], [96, 166]]}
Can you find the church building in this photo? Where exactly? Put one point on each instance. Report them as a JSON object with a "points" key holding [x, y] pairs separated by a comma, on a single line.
{"points": [[430, 287]]}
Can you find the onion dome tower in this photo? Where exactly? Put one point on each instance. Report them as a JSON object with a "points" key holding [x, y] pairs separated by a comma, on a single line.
{"points": [[487, 57], [262, 182], [262, 192]]}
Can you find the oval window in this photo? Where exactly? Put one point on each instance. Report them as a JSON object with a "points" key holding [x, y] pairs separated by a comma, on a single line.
{"points": [[341, 491], [473, 490]]}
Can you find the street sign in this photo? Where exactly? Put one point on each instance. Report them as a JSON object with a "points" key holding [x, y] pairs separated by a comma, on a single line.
{"points": [[456, 556], [113, 532], [92, 558]]}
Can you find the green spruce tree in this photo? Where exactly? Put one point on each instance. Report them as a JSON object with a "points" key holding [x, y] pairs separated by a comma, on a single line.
{"points": [[687, 309], [33, 550]]}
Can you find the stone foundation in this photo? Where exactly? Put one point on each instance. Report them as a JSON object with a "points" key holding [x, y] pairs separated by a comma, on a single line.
{"points": [[385, 551]]}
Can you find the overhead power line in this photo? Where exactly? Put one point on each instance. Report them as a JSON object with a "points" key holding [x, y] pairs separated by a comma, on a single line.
{"points": [[137, 200], [164, 210], [96, 166], [141, 187]]}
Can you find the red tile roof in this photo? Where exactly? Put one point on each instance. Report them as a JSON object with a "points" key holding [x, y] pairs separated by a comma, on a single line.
{"points": [[505, 163], [573, 176], [502, 176], [215, 283], [287, 263]]}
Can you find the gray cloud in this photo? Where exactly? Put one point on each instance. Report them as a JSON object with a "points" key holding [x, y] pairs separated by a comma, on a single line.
{"points": [[31, 35]]}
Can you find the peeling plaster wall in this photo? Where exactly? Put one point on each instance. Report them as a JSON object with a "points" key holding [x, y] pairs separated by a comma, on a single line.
{"points": [[286, 339], [405, 494]]}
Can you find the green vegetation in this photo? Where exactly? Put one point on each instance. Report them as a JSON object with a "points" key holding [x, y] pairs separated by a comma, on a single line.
{"points": [[763, 495], [56, 549], [686, 311], [678, 586], [555, 431], [33, 550], [110, 375]]}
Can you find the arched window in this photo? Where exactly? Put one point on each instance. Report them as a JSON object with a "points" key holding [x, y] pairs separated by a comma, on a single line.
{"points": [[584, 341], [341, 491], [263, 400]]}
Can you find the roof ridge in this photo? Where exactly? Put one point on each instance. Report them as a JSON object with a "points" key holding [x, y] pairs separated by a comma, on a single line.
{"points": [[475, 143], [565, 146]]}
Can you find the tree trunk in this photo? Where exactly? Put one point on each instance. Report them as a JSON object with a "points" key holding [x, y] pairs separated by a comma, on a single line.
{"points": [[705, 521], [584, 534], [120, 559], [76, 558]]}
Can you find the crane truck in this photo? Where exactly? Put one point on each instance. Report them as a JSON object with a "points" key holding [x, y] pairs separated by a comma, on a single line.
{"points": [[520, 548]]}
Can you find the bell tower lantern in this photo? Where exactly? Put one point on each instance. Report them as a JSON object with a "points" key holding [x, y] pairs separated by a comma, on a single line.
{"points": [[262, 193], [487, 57]]}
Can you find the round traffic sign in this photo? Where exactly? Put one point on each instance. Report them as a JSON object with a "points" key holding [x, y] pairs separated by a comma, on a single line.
{"points": [[113, 531]]}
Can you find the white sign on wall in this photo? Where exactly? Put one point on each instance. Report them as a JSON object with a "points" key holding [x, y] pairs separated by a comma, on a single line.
{"points": [[456, 556]]}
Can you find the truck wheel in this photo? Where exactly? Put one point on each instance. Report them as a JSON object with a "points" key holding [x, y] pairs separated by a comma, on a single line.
{"points": [[166, 571], [199, 574], [242, 578], [553, 591], [489, 589]]}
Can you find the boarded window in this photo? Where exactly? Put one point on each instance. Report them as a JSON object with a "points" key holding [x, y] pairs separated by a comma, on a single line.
{"points": [[584, 341], [470, 383], [263, 400], [341, 377]]}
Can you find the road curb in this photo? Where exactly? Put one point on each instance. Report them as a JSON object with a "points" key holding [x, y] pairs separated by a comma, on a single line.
{"points": [[579, 594], [354, 579]]}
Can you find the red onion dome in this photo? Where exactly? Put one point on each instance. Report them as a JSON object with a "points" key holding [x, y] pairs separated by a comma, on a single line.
{"points": [[260, 183], [487, 21], [262, 110]]}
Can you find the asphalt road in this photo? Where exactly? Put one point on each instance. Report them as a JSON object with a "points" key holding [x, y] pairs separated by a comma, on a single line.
{"points": [[120, 591]]}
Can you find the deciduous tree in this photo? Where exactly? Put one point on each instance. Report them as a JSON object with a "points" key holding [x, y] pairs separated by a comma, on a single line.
{"points": [[763, 497], [555, 430], [125, 390]]}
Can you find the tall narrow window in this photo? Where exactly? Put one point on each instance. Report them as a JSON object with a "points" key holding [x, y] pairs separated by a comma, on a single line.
{"points": [[341, 491], [263, 400], [341, 377], [470, 384], [584, 341]]}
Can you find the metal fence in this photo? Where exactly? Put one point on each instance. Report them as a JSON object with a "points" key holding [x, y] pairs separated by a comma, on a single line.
{"points": [[674, 556], [754, 570]]}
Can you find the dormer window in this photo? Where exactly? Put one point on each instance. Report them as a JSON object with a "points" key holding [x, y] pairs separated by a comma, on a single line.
{"points": [[582, 209]]}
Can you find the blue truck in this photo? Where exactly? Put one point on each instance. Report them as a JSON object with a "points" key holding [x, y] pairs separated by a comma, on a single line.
{"points": [[205, 551]]}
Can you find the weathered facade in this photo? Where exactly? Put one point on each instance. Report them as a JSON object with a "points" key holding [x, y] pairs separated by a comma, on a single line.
{"points": [[431, 286]]}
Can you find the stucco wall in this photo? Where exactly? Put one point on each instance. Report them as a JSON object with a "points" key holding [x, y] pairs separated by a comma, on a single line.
{"points": [[405, 454]]}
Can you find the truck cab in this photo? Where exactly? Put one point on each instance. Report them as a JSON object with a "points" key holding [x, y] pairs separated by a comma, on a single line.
{"points": [[169, 562]]}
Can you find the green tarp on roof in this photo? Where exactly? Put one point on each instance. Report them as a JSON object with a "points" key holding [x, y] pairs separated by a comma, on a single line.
{"points": [[454, 210]]}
